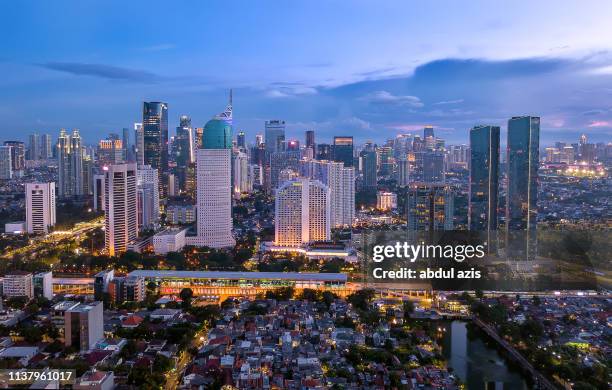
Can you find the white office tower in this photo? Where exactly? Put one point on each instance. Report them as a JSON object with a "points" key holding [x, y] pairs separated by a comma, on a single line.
{"points": [[120, 209], [40, 207], [214, 196], [341, 182], [6, 169], [148, 197], [302, 213], [242, 181]]}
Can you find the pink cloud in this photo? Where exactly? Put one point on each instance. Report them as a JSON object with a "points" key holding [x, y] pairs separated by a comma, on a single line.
{"points": [[600, 124]]}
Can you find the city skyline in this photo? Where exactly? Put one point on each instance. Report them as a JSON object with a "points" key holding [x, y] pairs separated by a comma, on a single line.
{"points": [[101, 78]]}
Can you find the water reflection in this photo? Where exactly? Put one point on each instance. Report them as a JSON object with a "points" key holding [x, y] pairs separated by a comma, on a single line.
{"points": [[476, 364]]}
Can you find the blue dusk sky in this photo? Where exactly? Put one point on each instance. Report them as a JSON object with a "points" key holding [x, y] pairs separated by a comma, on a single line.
{"points": [[371, 69]]}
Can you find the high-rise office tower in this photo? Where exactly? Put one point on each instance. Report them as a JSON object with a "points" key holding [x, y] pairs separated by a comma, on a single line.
{"points": [[6, 165], [98, 192], [120, 208], [324, 152], [242, 182], [484, 181], [125, 140], [280, 161], [17, 154], [214, 187], [111, 151], [259, 140], [275, 135], [428, 166], [33, 146], [341, 183], [46, 148], [310, 139], [241, 140], [147, 181], [302, 213], [368, 169], [76, 163], [428, 132], [88, 171], [70, 164], [155, 139], [139, 143], [522, 193], [40, 207], [342, 150], [403, 172], [385, 158], [185, 151], [430, 207]]}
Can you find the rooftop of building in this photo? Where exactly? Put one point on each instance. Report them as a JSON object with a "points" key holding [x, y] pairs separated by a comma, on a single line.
{"points": [[170, 232]]}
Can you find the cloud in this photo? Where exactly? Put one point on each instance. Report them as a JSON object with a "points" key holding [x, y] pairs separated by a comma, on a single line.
{"points": [[386, 98], [456, 101], [286, 90], [108, 72], [600, 124]]}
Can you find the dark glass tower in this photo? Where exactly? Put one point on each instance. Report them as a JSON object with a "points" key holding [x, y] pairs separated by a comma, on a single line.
{"points": [[522, 202], [241, 140], [368, 167], [155, 129], [484, 181], [310, 139], [343, 150]]}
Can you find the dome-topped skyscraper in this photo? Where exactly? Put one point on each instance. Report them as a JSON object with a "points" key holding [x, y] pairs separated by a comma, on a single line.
{"points": [[218, 130]]}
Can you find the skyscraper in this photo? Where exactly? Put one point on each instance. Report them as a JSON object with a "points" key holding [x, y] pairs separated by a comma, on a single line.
{"points": [[241, 140], [310, 139], [280, 161], [17, 154], [275, 135], [522, 194], [33, 146], [147, 181], [70, 163], [302, 213], [241, 177], [368, 169], [46, 150], [155, 139], [40, 207], [484, 181], [430, 207], [342, 150], [111, 151], [98, 192], [120, 209], [428, 131], [403, 172], [6, 165], [139, 143], [185, 152], [213, 176], [341, 183]]}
